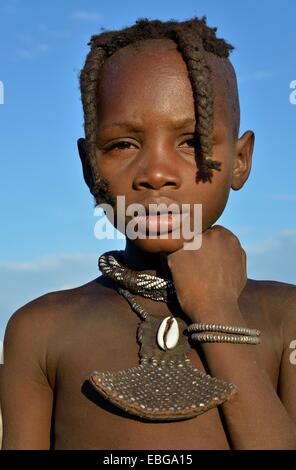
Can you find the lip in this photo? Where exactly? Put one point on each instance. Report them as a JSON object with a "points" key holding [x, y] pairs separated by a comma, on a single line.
{"points": [[160, 215], [166, 205], [158, 224]]}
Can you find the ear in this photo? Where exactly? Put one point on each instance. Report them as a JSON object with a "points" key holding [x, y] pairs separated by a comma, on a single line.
{"points": [[87, 172], [243, 160]]}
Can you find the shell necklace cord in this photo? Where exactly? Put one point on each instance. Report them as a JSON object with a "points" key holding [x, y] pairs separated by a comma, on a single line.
{"points": [[165, 386]]}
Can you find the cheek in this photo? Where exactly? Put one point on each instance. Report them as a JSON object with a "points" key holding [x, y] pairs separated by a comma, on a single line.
{"points": [[216, 199], [103, 164], [213, 196], [109, 169]]}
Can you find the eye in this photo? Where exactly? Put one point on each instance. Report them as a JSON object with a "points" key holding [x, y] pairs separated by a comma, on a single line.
{"points": [[123, 145], [190, 143], [120, 145]]}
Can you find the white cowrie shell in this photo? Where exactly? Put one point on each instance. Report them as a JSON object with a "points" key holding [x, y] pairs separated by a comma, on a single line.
{"points": [[168, 333]]}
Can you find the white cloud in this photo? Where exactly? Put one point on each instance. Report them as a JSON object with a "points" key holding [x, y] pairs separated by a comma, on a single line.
{"points": [[274, 259], [45, 263], [32, 52], [84, 15], [283, 197], [259, 75], [22, 282], [53, 33], [59, 34]]}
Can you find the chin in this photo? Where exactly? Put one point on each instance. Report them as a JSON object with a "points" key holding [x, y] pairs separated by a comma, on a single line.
{"points": [[158, 245]]}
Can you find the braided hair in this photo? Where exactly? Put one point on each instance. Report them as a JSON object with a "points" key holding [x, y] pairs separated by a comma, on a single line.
{"points": [[193, 38]]}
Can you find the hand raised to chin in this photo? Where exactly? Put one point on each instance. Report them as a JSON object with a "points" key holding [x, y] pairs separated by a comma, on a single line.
{"points": [[209, 281]]}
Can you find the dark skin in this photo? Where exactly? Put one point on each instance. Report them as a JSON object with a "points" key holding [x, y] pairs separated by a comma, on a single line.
{"points": [[53, 343]]}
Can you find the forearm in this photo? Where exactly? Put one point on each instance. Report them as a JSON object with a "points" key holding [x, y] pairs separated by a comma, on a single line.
{"points": [[255, 417]]}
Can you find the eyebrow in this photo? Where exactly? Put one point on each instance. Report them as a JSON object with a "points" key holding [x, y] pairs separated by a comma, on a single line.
{"points": [[137, 127]]}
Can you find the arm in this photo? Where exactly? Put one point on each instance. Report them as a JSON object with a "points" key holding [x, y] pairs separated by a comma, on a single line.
{"points": [[208, 287], [26, 397], [287, 376], [255, 418]]}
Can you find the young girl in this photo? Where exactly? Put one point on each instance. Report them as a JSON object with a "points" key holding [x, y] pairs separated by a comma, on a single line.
{"points": [[161, 117]]}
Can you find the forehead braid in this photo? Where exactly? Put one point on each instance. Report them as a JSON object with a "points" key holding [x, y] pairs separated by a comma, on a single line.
{"points": [[194, 39]]}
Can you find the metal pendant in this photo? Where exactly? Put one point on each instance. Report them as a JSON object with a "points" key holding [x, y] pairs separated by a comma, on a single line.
{"points": [[165, 386]]}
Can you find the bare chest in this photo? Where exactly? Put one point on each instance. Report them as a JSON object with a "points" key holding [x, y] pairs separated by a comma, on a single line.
{"points": [[85, 420]]}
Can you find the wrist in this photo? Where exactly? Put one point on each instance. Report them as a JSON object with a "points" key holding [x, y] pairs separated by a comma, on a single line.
{"points": [[224, 311]]}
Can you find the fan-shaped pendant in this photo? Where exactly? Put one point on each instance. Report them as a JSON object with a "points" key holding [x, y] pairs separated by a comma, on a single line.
{"points": [[165, 386]]}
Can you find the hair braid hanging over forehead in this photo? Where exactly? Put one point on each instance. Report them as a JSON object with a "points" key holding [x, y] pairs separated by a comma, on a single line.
{"points": [[200, 77], [193, 38]]}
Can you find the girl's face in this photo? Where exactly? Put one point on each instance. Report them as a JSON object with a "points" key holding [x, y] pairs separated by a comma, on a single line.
{"points": [[146, 123]]}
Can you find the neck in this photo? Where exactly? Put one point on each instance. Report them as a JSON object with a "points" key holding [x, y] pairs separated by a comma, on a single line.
{"points": [[149, 263]]}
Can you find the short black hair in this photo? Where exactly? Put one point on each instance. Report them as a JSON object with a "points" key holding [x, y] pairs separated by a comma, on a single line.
{"points": [[193, 38]]}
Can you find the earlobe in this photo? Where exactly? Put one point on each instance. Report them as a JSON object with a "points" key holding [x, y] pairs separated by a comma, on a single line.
{"points": [[87, 173], [243, 160]]}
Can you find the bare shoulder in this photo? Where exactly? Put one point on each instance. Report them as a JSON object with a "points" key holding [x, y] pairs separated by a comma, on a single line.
{"points": [[277, 301], [37, 337], [42, 313], [38, 326]]}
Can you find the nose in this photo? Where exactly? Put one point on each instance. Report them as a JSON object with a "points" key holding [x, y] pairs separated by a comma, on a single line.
{"points": [[157, 169]]}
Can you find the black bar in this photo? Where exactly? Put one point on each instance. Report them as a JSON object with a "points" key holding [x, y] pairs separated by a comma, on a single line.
{"points": [[140, 459]]}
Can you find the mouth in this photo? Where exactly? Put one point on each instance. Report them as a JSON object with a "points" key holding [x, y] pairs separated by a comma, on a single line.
{"points": [[161, 205], [153, 209], [160, 216], [158, 224]]}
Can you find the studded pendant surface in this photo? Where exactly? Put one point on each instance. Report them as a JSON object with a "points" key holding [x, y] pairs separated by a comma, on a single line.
{"points": [[165, 386]]}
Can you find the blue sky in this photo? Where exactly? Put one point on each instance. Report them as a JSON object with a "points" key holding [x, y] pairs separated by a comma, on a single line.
{"points": [[47, 220]]}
